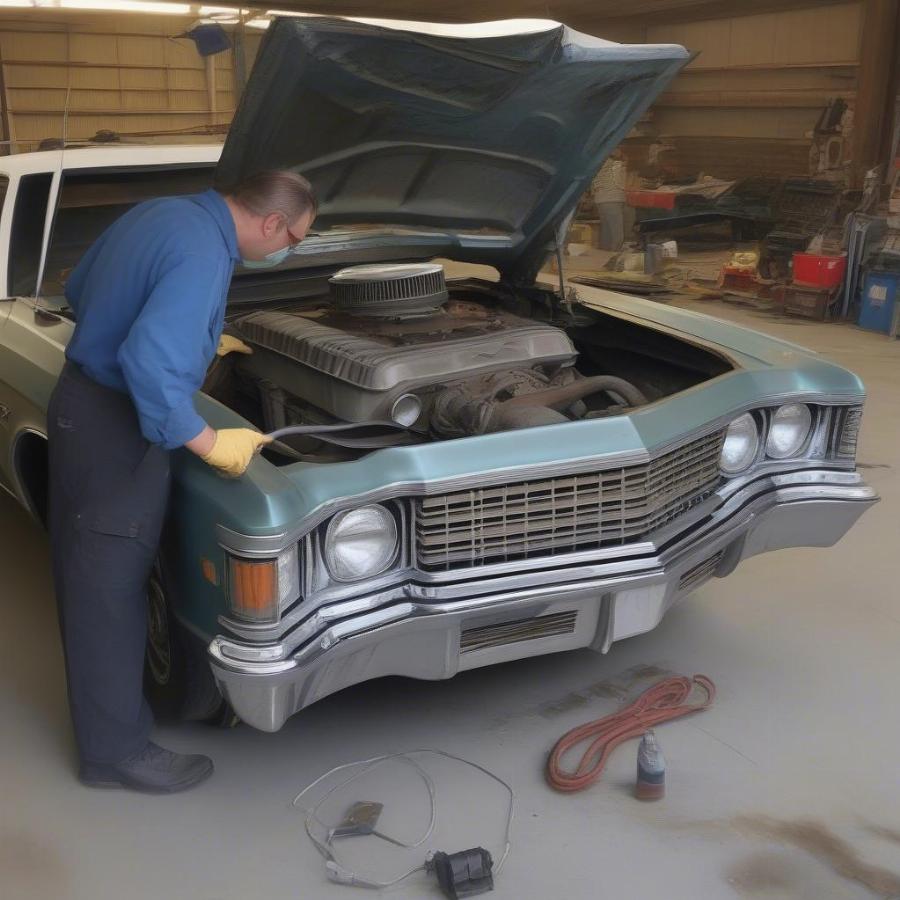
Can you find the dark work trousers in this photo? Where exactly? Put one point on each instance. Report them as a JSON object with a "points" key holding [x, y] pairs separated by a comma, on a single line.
{"points": [[108, 491]]}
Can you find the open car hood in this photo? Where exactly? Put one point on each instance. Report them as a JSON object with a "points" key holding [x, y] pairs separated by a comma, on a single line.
{"points": [[481, 145]]}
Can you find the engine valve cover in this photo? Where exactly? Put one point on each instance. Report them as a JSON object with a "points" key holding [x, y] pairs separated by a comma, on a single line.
{"points": [[355, 367]]}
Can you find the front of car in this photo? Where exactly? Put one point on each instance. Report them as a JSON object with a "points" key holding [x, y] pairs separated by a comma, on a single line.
{"points": [[431, 559], [570, 466]]}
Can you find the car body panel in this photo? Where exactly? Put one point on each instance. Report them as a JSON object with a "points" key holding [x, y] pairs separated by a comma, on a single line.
{"points": [[651, 429]]}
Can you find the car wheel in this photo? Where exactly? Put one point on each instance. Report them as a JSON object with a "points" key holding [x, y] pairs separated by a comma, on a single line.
{"points": [[177, 681]]}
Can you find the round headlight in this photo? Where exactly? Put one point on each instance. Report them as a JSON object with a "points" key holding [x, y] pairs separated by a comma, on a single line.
{"points": [[789, 430], [741, 445], [360, 543]]}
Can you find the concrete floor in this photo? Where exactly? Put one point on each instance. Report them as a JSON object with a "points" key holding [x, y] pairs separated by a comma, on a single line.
{"points": [[787, 788]]}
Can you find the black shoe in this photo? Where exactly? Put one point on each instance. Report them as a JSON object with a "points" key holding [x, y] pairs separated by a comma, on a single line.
{"points": [[153, 770]]}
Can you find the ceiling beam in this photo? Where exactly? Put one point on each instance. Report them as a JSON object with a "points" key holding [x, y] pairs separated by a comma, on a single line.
{"points": [[579, 14], [702, 10]]}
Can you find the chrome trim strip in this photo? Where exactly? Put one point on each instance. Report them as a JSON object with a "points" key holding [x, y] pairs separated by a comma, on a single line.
{"points": [[257, 668], [22, 496], [252, 545]]}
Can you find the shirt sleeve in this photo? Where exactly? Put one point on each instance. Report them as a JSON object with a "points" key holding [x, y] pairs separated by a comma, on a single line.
{"points": [[170, 345]]}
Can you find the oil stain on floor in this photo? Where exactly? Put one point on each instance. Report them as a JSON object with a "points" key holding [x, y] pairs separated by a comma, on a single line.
{"points": [[889, 834], [617, 688], [822, 843], [780, 875], [29, 868]]}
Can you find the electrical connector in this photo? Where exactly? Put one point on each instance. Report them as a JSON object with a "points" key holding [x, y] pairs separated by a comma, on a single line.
{"points": [[463, 874]]}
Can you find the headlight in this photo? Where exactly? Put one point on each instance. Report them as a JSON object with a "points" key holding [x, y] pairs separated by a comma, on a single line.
{"points": [[789, 430], [360, 543], [741, 445]]}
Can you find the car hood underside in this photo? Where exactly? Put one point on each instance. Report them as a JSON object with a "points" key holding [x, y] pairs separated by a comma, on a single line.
{"points": [[490, 140]]}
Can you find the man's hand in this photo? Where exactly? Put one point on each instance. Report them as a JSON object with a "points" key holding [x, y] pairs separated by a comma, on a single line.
{"points": [[228, 343], [232, 450]]}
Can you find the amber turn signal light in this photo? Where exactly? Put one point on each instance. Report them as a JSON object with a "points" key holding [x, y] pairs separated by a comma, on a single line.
{"points": [[208, 567], [253, 589]]}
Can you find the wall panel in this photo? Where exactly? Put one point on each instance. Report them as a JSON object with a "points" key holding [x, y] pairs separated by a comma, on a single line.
{"points": [[759, 80], [762, 77], [125, 73]]}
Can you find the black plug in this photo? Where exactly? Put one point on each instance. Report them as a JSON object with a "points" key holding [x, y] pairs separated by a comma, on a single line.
{"points": [[463, 874]]}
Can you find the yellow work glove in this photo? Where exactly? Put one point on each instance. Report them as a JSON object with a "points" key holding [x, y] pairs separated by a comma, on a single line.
{"points": [[233, 450], [228, 343]]}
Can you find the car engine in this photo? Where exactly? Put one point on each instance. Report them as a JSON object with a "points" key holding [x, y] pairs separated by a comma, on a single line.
{"points": [[391, 345]]}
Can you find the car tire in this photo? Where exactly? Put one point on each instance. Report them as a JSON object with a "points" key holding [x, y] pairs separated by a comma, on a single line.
{"points": [[178, 683]]}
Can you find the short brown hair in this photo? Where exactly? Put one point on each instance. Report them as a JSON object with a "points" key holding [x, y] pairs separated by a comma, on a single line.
{"points": [[276, 191]]}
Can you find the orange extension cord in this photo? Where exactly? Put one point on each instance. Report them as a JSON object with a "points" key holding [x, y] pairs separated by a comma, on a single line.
{"points": [[660, 703]]}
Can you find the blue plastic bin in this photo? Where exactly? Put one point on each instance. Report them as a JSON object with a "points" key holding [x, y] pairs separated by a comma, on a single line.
{"points": [[878, 299]]}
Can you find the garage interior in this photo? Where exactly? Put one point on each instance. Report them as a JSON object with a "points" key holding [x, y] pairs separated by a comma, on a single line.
{"points": [[762, 188]]}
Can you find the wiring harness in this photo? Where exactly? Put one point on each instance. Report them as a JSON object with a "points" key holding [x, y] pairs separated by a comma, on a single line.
{"points": [[362, 817]]}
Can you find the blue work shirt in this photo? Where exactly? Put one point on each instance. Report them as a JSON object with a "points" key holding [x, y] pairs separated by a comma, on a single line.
{"points": [[149, 303]]}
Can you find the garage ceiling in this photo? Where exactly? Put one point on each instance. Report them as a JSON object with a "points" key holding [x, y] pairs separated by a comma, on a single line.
{"points": [[576, 13]]}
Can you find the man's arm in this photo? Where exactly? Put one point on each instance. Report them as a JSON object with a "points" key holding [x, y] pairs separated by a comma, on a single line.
{"points": [[164, 357], [203, 443]]}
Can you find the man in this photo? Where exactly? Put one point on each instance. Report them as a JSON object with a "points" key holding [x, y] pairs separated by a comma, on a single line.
{"points": [[149, 302], [608, 191]]}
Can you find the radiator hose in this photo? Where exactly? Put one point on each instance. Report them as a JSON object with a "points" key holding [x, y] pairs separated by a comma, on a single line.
{"points": [[565, 395]]}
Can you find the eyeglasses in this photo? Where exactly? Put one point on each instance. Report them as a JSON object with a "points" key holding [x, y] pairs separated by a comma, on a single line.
{"points": [[294, 240]]}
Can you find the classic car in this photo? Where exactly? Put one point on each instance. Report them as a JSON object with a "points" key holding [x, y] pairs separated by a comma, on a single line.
{"points": [[476, 469]]}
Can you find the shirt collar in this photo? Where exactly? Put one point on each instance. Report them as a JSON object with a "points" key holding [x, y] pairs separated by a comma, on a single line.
{"points": [[214, 203]]}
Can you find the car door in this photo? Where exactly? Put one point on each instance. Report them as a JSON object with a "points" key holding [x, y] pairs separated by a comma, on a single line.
{"points": [[32, 337]]}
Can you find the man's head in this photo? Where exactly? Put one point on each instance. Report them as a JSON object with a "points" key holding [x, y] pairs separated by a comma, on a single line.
{"points": [[271, 211]]}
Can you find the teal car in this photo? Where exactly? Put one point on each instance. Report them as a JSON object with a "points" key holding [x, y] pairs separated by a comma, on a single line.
{"points": [[467, 470]]}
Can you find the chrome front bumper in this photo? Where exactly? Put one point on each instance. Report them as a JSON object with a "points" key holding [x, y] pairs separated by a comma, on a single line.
{"points": [[434, 631]]}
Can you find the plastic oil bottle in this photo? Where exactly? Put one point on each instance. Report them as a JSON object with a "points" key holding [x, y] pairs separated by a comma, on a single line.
{"points": [[651, 769]]}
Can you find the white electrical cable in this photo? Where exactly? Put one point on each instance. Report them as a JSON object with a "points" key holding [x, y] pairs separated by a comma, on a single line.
{"points": [[340, 873], [336, 870]]}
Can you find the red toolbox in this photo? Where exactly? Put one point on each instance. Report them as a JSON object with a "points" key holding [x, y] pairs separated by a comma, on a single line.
{"points": [[650, 199], [819, 271]]}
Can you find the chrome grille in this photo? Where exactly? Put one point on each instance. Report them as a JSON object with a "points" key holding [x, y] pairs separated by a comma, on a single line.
{"points": [[846, 431], [485, 637], [527, 519], [701, 572]]}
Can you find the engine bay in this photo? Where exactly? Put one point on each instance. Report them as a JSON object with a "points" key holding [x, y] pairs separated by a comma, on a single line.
{"points": [[390, 349]]}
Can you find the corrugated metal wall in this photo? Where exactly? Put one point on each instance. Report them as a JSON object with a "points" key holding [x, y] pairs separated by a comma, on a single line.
{"points": [[125, 73]]}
